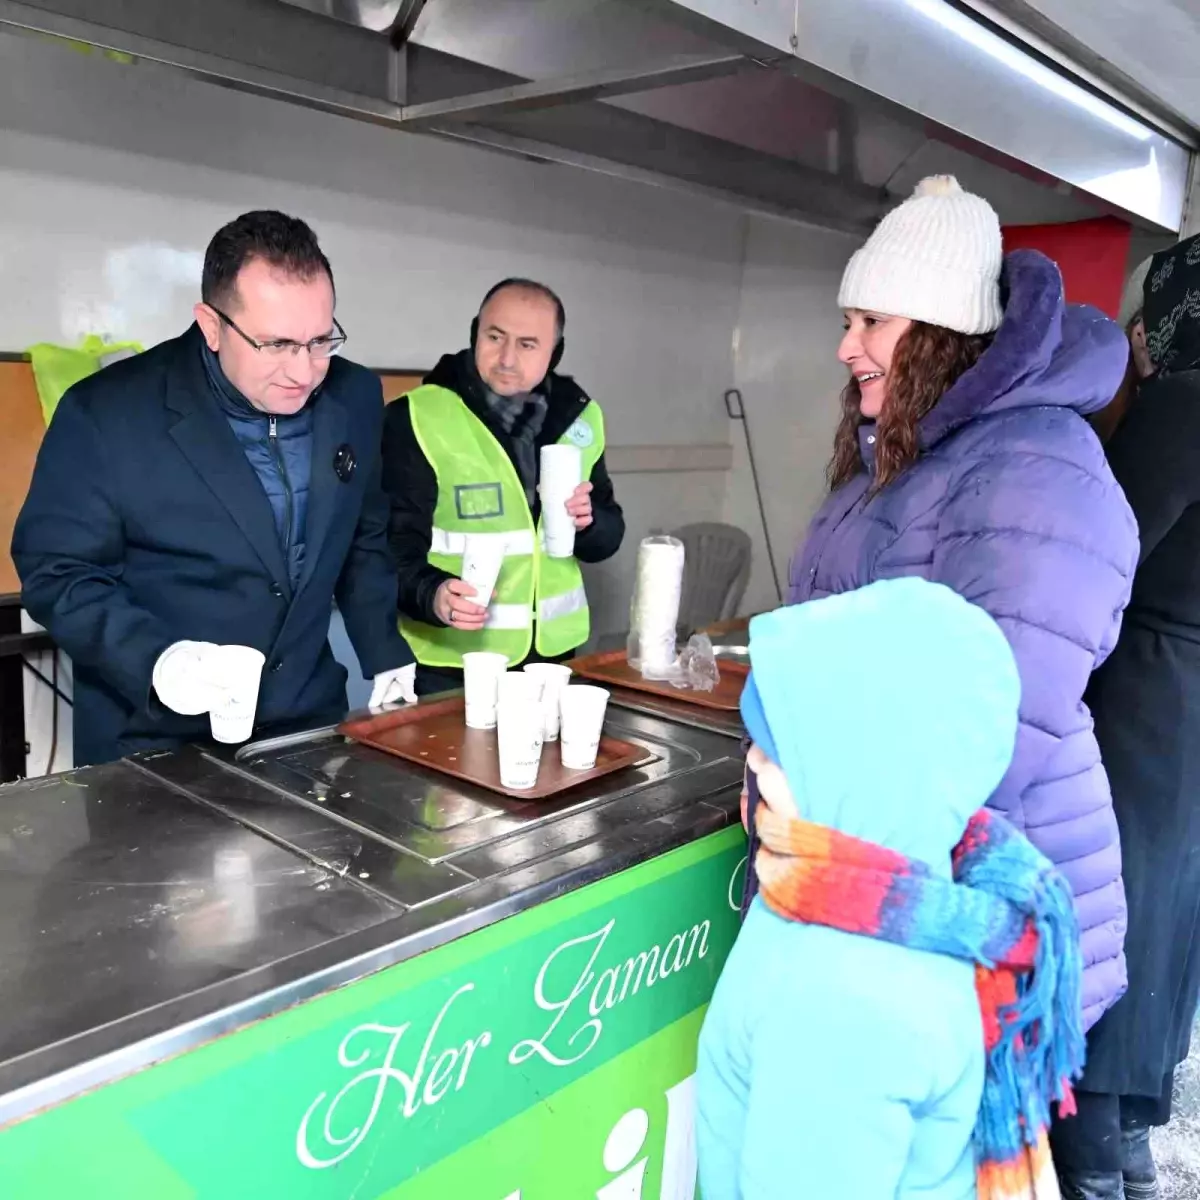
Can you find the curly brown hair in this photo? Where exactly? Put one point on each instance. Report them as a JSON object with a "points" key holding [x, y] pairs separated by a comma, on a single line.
{"points": [[927, 360]]}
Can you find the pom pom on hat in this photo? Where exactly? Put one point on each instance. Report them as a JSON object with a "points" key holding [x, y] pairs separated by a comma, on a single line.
{"points": [[934, 259], [938, 185]]}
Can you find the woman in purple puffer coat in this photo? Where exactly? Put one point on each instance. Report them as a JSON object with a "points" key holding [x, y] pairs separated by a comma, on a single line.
{"points": [[963, 457]]}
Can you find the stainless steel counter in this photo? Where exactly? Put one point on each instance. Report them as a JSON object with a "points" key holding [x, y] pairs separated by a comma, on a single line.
{"points": [[150, 905]]}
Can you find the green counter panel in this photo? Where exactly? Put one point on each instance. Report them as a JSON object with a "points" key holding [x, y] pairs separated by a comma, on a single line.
{"points": [[547, 1057]]}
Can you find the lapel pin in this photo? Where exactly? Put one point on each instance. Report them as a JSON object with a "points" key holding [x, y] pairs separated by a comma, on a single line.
{"points": [[344, 463]]}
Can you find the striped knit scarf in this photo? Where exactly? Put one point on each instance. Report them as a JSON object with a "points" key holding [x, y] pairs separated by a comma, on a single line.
{"points": [[1008, 911]]}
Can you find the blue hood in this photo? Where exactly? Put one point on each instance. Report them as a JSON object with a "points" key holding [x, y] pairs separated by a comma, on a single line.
{"points": [[1046, 353], [892, 711]]}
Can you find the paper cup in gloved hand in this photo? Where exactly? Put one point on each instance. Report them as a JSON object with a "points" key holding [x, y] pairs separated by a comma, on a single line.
{"points": [[482, 671], [483, 556], [553, 678], [519, 729], [561, 472], [237, 673], [582, 707]]}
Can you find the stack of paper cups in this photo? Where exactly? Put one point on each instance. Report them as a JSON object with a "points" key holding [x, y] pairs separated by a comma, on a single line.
{"points": [[561, 472], [654, 612]]}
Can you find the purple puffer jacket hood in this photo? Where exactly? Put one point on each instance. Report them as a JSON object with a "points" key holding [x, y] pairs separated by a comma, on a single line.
{"points": [[1013, 506]]}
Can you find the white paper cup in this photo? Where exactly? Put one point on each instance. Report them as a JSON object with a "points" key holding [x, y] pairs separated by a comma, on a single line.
{"points": [[554, 678], [560, 473], [519, 729], [239, 672], [481, 675], [483, 556], [582, 707]]}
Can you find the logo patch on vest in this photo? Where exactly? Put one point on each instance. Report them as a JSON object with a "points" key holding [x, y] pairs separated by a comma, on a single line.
{"points": [[580, 434], [477, 501]]}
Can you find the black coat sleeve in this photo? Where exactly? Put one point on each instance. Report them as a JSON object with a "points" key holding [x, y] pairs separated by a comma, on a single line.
{"points": [[412, 492], [602, 538], [1153, 456], [69, 550], [366, 589]]}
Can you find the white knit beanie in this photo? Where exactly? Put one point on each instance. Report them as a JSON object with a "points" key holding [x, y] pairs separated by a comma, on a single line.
{"points": [[935, 259]]}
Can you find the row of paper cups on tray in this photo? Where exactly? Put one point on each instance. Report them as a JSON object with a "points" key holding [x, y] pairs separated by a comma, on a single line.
{"points": [[530, 707]]}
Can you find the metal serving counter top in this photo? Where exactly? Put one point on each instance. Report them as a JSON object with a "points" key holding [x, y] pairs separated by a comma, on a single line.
{"points": [[150, 905]]}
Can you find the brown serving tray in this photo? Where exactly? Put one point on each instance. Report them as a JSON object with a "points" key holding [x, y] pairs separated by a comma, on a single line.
{"points": [[433, 734], [612, 667]]}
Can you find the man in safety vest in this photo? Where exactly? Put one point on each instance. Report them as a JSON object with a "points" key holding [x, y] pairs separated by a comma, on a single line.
{"points": [[461, 455]]}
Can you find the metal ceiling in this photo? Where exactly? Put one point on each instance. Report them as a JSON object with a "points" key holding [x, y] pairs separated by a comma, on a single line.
{"points": [[931, 58], [1148, 49], [799, 108]]}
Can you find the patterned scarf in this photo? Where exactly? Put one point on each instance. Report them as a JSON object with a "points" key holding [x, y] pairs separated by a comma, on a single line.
{"points": [[521, 417], [1171, 313], [1008, 911]]}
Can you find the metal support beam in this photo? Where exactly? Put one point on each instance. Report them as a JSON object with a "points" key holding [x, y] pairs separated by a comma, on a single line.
{"points": [[228, 49], [252, 45], [592, 85], [288, 53], [406, 20], [854, 217], [611, 140]]}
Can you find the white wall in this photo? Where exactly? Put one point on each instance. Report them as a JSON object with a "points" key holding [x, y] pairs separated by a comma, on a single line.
{"points": [[113, 178], [786, 368]]}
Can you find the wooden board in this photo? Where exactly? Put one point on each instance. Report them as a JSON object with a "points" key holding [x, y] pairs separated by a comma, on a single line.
{"points": [[433, 734], [612, 667], [21, 430], [399, 383]]}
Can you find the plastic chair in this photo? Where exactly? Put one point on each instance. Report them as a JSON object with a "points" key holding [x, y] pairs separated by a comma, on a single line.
{"points": [[716, 572]]}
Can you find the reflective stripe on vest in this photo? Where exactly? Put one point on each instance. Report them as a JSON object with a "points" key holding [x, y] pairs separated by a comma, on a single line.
{"points": [[508, 616], [446, 541], [550, 608], [480, 494]]}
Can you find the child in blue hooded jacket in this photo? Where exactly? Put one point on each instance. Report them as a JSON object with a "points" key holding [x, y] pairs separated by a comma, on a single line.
{"points": [[902, 1004]]}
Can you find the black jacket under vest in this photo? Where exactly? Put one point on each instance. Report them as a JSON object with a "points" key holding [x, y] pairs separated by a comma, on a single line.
{"points": [[411, 484]]}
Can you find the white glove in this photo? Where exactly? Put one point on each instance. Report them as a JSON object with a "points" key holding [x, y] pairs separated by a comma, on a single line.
{"points": [[185, 677], [391, 687]]}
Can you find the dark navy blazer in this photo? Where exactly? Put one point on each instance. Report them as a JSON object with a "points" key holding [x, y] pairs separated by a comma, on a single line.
{"points": [[145, 524]]}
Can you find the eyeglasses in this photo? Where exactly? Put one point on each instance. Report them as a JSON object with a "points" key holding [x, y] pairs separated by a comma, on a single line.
{"points": [[318, 348]]}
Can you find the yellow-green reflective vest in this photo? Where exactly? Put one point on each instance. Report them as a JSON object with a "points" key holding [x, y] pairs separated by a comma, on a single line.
{"points": [[479, 492], [56, 369]]}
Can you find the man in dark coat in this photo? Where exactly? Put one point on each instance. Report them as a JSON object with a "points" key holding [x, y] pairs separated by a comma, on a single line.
{"points": [[221, 488], [1146, 704]]}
